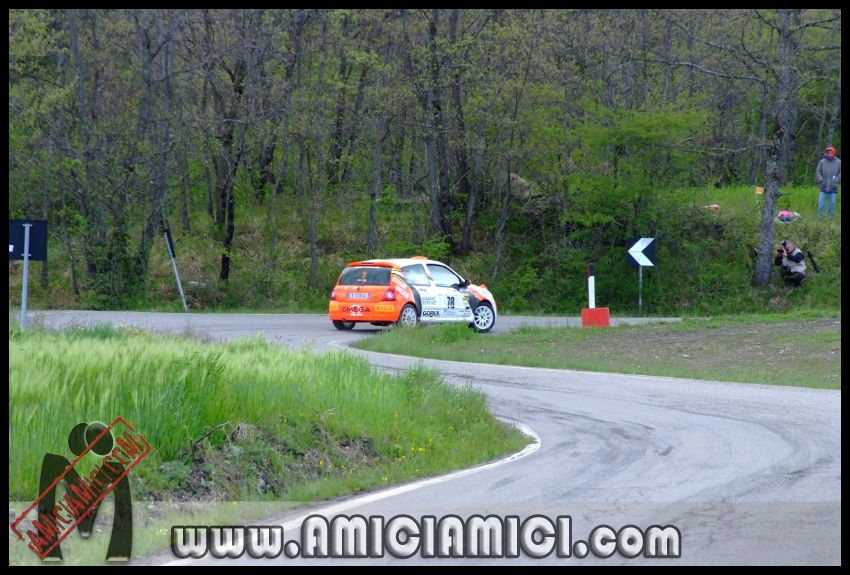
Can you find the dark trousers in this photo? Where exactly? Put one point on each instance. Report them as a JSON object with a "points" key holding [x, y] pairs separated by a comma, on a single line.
{"points": [[795, 279]]}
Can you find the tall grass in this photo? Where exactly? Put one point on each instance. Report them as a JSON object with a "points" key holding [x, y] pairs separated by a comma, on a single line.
{"points": [[173, 391]]}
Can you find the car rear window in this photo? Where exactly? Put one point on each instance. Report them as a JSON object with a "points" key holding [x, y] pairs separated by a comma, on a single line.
{"points": [[363, 276]]}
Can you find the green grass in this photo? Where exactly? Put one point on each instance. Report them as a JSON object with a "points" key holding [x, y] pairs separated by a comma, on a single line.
{"points": [[286, 425], [799, 349], [743, 200]]}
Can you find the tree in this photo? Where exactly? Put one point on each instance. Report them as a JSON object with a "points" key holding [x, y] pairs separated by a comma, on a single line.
{"points": [[773, 65]]}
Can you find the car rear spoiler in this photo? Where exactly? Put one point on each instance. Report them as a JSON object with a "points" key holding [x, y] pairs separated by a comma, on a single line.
{"points": [[371, 263]]}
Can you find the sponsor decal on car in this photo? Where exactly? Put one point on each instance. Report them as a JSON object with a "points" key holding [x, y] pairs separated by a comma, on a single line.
{"points": [[429, 301], [355, 310], [449, 312], [384, 308], [430, 313], [400, 287], [358, 295]]}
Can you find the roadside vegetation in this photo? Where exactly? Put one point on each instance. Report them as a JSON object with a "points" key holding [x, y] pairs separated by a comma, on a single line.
{"points": [[704, 263], [798, 348], [244, 421]]}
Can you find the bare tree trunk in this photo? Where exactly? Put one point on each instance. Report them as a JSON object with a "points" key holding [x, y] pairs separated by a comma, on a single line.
{"points": [[45, 201], [506, 199], [264, 167], [504, 208], [184, 191], [377, 163], [819, 147], [466, 241], [762, 135], [836, 107], [208, 179], [376, 188], [433, 178], [317, 190], [782, 128], [464, 187], [394, 168], [156, 211], [439, 121], [231, 213], [299, 168], [66, 238], [298, 23], [93, 241]]}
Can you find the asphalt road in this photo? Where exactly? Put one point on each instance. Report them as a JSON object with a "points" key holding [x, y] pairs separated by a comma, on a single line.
{"points": [[747, 473]]}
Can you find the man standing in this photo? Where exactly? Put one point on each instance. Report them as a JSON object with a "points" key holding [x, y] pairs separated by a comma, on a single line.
{"points": [[829, 175], [792, 263]]}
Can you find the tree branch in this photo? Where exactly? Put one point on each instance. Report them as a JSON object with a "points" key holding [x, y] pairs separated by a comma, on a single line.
{"points": [[821, 48], [719, 74]]}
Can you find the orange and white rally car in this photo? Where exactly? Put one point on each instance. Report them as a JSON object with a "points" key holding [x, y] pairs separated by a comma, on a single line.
{"points": [[407, 291]]}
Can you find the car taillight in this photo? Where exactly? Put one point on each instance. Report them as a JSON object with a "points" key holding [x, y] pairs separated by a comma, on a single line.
{"points": [[390, 295], [333, 296]]}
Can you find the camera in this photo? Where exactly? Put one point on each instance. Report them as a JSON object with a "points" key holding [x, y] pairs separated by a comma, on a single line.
{"points": [[780, 251]]}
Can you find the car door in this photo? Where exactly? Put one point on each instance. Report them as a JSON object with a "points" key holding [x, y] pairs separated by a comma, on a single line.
{"points": [[451, 302], [418, 279]]}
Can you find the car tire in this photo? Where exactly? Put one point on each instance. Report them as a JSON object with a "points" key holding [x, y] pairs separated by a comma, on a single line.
{"points": [[484, 318], [343, 325], [408, 316]]}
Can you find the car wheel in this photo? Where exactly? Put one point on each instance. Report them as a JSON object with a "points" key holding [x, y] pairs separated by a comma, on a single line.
{"points": [[484, 318], [407, 317], [343, 325]]}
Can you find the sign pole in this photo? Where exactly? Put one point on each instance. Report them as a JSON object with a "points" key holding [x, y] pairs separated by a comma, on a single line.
{"points": [[640, 290], [591, 287], [26, 275], [170, 245]]}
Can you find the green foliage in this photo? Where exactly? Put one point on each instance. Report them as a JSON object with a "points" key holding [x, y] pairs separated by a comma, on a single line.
{"points": [[542, 136]]}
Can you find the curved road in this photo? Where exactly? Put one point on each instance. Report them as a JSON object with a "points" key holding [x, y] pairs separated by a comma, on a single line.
{"points": [[748, 473]]}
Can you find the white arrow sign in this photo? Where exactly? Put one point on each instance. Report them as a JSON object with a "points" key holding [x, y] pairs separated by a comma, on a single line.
{"points": [[636, 251]]}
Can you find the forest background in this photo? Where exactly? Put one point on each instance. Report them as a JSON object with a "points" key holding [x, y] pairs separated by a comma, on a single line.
{"points": [[516, 145]]}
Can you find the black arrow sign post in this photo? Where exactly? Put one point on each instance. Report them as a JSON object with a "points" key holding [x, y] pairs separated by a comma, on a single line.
{"points": [[640, 252]]}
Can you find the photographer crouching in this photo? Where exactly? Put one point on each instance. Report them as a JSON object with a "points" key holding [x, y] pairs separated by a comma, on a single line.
{"points": [[792, 263]]}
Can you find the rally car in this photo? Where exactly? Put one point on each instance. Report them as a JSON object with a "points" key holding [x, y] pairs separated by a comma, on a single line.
{"points": [[408, 291]]}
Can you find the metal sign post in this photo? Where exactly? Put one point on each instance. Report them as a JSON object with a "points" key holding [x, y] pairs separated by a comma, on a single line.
{"points": [[27, 241], [640, 252], [26, 275], [640, 290], [170, 245]]}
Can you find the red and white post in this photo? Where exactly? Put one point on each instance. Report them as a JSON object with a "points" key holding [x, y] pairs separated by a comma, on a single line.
{"points": [[593, 316]]}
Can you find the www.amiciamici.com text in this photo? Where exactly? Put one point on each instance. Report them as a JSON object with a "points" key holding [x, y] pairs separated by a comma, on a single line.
{"points": [[403, 537]]}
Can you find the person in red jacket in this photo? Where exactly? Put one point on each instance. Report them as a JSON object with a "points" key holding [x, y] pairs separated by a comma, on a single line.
{"points": [[828, 174]]}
